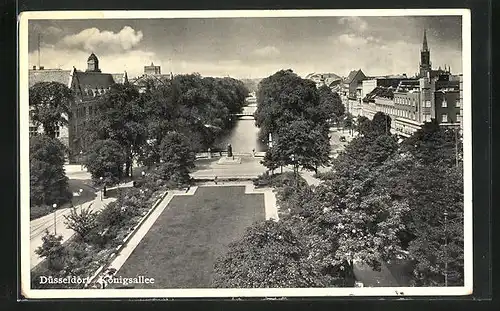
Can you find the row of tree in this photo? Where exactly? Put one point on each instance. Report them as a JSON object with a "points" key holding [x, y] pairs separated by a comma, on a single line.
{"points": [[149, 125], [187, 113], [381, 202], [296, 115]]}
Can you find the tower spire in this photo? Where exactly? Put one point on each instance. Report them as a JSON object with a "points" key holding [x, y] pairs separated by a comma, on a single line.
{"points": [[424, 44]]}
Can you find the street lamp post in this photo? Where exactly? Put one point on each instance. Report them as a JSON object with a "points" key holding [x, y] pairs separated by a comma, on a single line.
{"points": [[100, 178], [445, 249], [55, 229], [81, 160], [80, 194]]}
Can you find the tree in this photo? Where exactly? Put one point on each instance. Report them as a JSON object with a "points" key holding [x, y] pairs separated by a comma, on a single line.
{"points": [[82, 223], [380, 124], [53, 250], [348, 122], [330, 103], [433, 144], [120, 118], [435, 219], [48, 181], [177, 158], [364, 125], [302, 144], [283, 98], [50, 103], [364, 223], [268, 255], [105, 159]]}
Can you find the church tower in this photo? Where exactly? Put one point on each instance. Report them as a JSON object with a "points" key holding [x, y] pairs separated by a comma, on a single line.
{"points": [[93, 64], [425, 58]]}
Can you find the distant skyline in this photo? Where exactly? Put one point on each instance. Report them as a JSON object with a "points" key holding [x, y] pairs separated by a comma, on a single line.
{"points": [[250, 47]]}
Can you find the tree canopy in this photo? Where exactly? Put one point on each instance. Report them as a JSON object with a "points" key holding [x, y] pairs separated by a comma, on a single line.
{"points": [[105, 158], [331, 103], [48, 180], [50, 103], [268, 255], [177, 158]]}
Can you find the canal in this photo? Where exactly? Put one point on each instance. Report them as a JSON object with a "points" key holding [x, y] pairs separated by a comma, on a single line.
{"points": [[243, 136]]}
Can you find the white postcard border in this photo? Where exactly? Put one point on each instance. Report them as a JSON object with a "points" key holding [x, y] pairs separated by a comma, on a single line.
{"points": [[24, 246]]}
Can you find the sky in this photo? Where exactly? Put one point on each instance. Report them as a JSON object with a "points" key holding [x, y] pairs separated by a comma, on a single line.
{"points": [[249, 47]]}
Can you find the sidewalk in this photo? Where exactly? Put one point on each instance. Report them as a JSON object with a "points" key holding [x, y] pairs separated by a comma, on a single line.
{"points": [[40, 225]]}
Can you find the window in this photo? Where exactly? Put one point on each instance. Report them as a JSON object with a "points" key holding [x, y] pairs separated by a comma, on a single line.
{"points": [[444, 118], [444, 104], [457, 103], [458, 117], [428, 104], [427, 118]]}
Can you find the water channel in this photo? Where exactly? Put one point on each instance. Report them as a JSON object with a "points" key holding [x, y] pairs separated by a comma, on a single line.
{"points": [[243, 136]]}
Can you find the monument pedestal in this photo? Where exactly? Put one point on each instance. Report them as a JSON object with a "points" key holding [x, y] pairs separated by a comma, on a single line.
{"points": [[229, 160]]}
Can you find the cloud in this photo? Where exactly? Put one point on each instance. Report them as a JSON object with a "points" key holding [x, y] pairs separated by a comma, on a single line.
{"points": [[132, 61], [352, 40], [95, 40], [354, 22], [267, 51], [52, 30]]}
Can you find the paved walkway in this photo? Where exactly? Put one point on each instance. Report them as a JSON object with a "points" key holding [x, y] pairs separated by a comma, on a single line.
{"points": [[48, 223]]}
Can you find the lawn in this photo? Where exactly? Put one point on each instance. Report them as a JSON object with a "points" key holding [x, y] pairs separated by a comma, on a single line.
{"points": [[180, 249]]}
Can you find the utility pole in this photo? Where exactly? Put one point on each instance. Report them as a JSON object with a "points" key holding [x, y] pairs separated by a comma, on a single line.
{"points": [[456, 146], [38, 48], [445, 250]]}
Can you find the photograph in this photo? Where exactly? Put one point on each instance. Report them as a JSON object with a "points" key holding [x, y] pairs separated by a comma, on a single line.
{"points": [[245, 153]]}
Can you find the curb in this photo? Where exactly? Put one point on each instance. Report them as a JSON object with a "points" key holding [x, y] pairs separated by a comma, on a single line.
{"points": [[127, 238]]}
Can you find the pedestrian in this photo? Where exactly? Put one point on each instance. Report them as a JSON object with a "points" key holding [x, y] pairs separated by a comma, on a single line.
{"points": [[215, 180], [253, 152]]}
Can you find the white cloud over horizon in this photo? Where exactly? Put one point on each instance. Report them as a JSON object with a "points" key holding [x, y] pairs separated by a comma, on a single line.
{"points": [[235, 49]]}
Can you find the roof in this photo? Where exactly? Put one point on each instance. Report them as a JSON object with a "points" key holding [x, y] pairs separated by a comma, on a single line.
{"points": [[49, 75], [407, 85], [327, 76], [92, 57], [96, 80], [353, 75], [379, 91], [139, 81]]}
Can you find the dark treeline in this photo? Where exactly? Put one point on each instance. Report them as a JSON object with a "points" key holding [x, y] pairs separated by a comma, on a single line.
{"points": [[138, 119]]}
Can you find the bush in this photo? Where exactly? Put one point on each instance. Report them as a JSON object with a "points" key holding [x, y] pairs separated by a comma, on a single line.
{"points": [[278, 180], [38, 211]]}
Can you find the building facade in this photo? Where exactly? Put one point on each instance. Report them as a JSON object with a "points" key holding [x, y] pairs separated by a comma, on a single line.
{"points": [[351, 94], [152, 75], [433, 94], [87, 87]]}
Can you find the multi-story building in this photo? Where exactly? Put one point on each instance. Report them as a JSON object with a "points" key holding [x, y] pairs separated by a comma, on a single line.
{"points": [[87, 87], [352, 88], [152, 74], [434, 94]]}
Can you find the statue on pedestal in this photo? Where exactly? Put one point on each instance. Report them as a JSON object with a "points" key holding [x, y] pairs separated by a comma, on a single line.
{"points": [[229, 151]]}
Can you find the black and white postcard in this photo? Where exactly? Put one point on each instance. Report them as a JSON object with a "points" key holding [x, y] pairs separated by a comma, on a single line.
{"points": [[273, 153]]}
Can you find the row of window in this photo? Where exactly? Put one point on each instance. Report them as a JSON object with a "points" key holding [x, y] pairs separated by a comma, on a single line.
{"points": [[444, 103], [399, 113], [445, 118], [405, 101], [83, 112], [33, 131]]}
